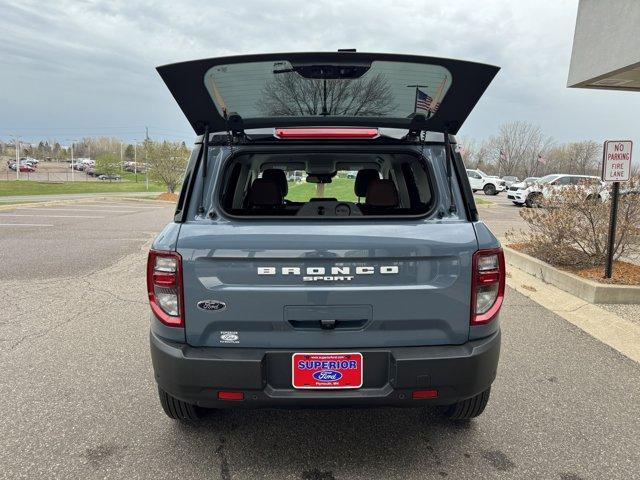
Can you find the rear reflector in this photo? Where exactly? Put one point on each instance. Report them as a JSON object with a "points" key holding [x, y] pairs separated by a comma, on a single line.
{"points": [[336, 133], [423, 394], [237, 396]]}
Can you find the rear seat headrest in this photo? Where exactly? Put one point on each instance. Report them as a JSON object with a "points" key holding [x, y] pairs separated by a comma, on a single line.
{"points": [[264, 193], [278, 176], [363, 179], [382, 193]]}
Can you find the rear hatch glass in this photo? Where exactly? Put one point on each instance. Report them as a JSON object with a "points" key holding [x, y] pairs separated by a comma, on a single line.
{"points": [[280, 89], [325, 88]]}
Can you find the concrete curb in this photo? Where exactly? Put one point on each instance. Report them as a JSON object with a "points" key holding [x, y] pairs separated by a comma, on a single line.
{"points": [[592, 292]]}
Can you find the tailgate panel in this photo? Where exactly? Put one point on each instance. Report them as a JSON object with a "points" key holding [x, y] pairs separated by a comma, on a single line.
{"points": [[400, 286]]}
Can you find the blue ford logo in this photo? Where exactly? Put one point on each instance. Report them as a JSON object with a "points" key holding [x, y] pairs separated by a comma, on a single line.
{"points": [[327, 375]]}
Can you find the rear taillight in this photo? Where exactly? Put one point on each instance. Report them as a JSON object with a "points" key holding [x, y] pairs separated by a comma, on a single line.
{"points": [[329, 133], [164, 286], [487, 285]]}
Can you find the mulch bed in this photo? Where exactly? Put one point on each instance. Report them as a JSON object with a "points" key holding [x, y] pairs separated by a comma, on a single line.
{"points": [[168, 197], [624, 273]]}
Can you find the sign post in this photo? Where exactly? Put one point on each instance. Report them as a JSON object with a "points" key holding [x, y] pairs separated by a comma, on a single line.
{"points": [[616, 168]]}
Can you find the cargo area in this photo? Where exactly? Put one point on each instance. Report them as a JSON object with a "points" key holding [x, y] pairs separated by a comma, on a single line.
{"points": [[328, 184]]}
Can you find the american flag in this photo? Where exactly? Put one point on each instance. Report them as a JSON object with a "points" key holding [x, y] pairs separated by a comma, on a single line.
{"points": [[541, 159], [423, 101], [503, 156]]}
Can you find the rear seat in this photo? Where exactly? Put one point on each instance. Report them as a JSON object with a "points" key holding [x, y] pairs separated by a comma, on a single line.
{"points": [[265, 197], [381, 198]]}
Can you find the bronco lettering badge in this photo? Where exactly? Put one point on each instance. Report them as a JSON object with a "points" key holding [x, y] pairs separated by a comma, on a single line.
{"points": [[332, 274]]}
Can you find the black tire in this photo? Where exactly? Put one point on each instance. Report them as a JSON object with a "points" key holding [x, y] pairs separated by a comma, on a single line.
{"points": [[533, 200], [466, 409], [177, 409], [490, 189]]}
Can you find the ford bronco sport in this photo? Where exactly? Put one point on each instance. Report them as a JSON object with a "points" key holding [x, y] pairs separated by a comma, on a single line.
{"points": [[371, 282]]}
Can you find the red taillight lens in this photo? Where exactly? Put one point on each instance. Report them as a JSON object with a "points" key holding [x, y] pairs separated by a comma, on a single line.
{"points": [[329, 133], [164, 287], [487, 285]]}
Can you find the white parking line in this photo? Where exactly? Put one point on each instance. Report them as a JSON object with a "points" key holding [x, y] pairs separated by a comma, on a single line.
{"points": [[48, 216], [120, 205], [74, 210], [25, 225]]}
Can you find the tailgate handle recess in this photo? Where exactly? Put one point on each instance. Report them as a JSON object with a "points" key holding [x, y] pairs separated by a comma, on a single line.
{"points": [[328, 324]]}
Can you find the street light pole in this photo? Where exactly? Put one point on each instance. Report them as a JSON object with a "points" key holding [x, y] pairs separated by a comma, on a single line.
{"points": [[135, 159], [72, 166], [17, 144]]}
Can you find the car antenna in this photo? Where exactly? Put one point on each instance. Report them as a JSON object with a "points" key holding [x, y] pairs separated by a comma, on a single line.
{"points": [[205, 158], [449, 161]]}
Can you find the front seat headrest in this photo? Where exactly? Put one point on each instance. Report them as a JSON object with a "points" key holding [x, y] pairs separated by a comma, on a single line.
{"points": [[279, 177], [382, 193], [363, 179], [264, 193]]}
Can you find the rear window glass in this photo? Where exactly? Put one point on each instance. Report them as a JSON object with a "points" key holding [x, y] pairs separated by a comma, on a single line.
{"points": [[326, 185], [280, 89]]}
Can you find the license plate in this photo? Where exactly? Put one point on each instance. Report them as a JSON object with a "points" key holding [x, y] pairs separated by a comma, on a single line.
{"points": [[326, 370]]}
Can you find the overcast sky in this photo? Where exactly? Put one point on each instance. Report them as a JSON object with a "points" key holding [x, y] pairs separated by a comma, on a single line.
{"points": [[72, 69]]}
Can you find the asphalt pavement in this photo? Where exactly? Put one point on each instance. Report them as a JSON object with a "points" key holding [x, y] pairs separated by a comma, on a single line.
{"points": [[79, 400]]}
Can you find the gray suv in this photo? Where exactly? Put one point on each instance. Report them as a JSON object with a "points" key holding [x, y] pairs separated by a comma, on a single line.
{"points": [[379, 288]]}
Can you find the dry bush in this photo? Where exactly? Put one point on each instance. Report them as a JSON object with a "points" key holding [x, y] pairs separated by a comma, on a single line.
{"points": [[571, 227]]}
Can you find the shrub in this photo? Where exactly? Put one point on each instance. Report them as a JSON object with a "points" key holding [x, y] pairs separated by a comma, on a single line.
{"points": [[571, 227]]}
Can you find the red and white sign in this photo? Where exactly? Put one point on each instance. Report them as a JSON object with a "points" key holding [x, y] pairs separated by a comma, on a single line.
{"points": [[326, 370], [616, 162]]}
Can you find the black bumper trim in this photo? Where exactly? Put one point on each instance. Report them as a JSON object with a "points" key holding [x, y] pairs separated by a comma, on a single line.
{"points": [[196, 374]]}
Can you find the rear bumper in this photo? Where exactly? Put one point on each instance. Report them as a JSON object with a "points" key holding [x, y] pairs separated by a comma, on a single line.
{"points": [[196, 375]]}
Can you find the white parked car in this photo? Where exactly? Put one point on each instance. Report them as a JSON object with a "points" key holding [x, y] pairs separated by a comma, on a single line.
{"points": [[531, 194], [490, 185]]}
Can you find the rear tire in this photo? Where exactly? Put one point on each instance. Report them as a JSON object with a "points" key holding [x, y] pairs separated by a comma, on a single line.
{"points": [[489, 189], [467, 409], [177, 409]]}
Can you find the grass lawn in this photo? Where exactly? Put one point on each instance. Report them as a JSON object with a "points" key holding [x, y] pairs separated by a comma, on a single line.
{"points": [[26, 187], [339, 188]]}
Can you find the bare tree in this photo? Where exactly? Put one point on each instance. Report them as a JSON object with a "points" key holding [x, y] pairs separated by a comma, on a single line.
{"points": [[521, 149], [289, 94]]}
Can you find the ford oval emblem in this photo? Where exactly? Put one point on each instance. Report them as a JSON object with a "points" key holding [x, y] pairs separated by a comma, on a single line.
{"points": [[211, 305], [327, 375]]}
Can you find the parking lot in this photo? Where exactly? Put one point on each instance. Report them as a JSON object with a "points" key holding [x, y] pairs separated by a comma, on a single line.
{"points": [[79, 399]]}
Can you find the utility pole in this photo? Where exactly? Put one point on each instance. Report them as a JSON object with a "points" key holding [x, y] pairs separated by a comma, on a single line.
{"points": [[121, 159]]}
